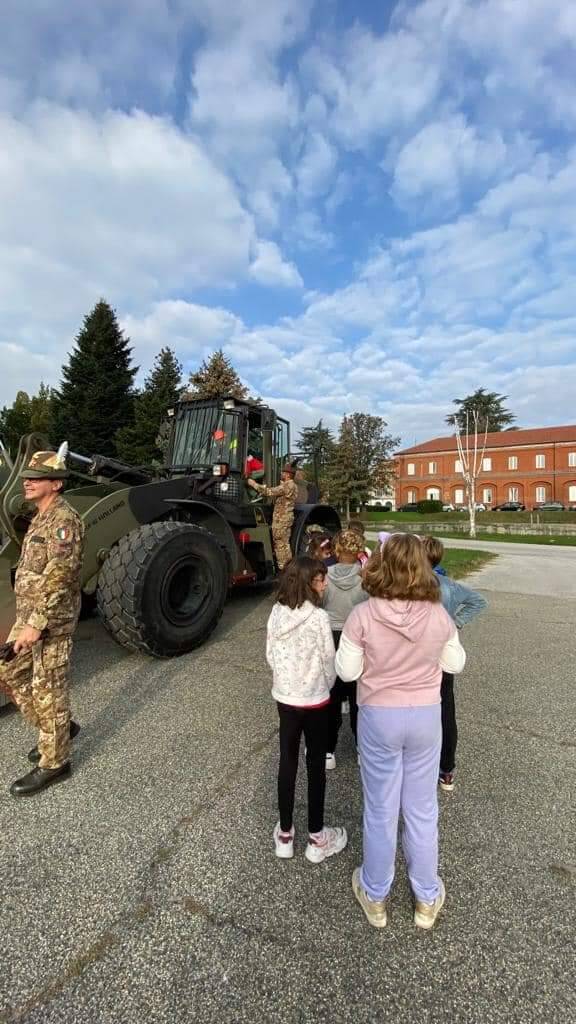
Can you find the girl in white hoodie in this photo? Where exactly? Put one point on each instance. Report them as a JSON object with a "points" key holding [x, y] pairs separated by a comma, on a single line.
{"points": [[300, 652]]}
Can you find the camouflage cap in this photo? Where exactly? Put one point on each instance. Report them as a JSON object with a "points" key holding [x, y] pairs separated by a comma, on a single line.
{"points": [[47, 465], [289, 468]]}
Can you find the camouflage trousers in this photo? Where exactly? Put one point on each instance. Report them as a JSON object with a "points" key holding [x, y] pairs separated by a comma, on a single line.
{"points": [[282, 549], [37, 682]]}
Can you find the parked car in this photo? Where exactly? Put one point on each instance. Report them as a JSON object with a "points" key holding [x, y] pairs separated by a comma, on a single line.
{"points": [[410, 506], [550, 506], [510, 506], [480, 506], [448, 508]]}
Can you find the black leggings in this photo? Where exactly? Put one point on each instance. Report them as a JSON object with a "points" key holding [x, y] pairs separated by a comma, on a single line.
{"points": [[313, 722], [338, 694], [449, 727]]}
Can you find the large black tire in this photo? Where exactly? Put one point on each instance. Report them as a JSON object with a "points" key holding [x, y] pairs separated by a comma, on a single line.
{"points": [[163, 587]]}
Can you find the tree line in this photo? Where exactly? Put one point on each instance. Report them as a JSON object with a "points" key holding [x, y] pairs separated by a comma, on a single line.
{"points": [[98, 409]]}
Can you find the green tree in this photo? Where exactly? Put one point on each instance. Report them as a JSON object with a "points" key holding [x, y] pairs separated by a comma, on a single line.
{"points": [[492, 414], [41, 411], [216, 378], [316, 445], [16, 420], [362, 460], [345, 483], [96, 395], [141, 442]]}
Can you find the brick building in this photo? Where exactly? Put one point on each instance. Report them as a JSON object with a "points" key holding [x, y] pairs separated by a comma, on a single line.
{"points": [[530, 466]]}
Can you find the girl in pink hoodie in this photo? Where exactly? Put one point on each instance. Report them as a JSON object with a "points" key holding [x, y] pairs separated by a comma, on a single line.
{"points": [[397, 644]]}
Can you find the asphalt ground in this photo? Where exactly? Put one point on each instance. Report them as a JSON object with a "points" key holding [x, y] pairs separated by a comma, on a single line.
{"points": [[146, 890]]}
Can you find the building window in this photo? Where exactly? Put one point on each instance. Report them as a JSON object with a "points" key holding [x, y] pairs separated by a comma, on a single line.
{"points": [[572, 493], [432, 468], [412, 496], [540, 462], [459, 496], [487, 465], [487, 495], [433, 494], [512, 462], [572, 458], [411, 469], [458, 466], [540, 495], [513, 494]]}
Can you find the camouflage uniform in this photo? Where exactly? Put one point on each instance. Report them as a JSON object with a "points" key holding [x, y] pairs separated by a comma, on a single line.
{"points": [[285, 497], [47, 592]]}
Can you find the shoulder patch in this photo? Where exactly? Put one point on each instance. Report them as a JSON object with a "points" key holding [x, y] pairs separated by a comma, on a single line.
{"points": [[63, 533]]}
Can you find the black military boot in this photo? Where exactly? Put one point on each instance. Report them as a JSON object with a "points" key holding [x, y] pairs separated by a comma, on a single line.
{"points": [[34, 754], [40, 778]]}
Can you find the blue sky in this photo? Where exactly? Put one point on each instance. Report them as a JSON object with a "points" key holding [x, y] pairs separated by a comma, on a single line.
{"points": [[370, 207]]}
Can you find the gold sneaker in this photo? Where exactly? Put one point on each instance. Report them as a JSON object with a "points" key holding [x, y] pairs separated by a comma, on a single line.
{"points": [[375, 910], [425, 914]]}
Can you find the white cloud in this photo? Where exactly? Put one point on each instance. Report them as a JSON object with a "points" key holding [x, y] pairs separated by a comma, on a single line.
{"points": [[444, 156], [244, 105], [373, 84], [268, 267], [189, 328], [317, 166], [118, 198], [95, 57]]}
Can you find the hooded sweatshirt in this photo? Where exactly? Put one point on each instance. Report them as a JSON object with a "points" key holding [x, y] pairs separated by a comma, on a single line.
{"points": [[397, 650], [300, 652], [343, 593]]}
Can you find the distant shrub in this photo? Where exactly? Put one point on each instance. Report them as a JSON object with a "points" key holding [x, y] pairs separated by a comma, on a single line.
{"points": [[428, 507]]}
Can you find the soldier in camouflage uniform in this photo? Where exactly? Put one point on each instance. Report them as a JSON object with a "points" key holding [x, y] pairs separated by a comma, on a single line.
{"points": [[285, 497], [47, 589]]}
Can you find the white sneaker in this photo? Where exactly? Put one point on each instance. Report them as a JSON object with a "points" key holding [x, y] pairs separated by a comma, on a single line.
{"points": [[425, 914], [284, 846], [335, 839], [330, 762]]}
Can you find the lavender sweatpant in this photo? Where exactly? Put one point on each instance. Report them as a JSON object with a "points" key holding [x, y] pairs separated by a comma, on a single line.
{"points": [[400, 760]]}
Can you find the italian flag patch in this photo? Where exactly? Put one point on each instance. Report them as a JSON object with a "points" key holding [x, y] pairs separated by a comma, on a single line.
{"points": [[63, 533]]}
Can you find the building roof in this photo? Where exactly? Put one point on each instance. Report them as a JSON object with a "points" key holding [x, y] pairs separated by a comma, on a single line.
{"points": [[500, 439]]}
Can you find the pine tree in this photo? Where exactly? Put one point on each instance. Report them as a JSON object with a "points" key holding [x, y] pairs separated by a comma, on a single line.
{"points": [[216, 378], [96, 395], [492, 414], [15, 421], [141, 443]]}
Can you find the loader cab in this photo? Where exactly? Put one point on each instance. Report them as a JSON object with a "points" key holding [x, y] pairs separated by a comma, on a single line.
{"points": [[228, 439]]}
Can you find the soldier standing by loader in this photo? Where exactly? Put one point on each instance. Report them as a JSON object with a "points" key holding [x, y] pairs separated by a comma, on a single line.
{"points": [[284, 496], [47, 589]]}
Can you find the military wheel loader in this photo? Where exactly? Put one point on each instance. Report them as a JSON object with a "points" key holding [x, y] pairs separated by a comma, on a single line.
{"points": [[165, 545]]}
